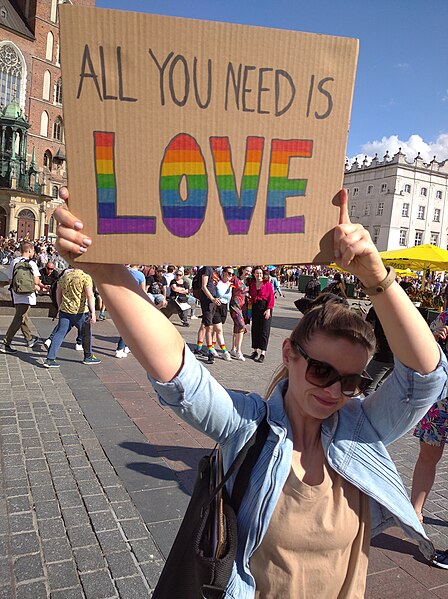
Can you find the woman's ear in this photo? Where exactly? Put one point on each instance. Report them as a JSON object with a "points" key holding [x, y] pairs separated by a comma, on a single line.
{"points": [[286, 352]]}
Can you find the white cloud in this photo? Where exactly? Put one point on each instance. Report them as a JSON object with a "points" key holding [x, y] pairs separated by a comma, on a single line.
{"points": [[410, 148], [402, 66]]}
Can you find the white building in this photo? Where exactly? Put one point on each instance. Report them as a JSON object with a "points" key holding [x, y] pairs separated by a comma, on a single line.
{"points": [[401, 203]]}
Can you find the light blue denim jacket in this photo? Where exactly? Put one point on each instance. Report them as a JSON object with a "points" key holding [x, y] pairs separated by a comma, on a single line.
{"points": [[354, 440]]}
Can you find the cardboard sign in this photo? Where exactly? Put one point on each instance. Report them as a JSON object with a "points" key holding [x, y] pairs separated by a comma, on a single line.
{"points": [[195, 142]]}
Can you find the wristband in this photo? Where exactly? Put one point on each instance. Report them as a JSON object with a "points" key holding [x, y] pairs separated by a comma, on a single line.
{"points": [[383, 285]]}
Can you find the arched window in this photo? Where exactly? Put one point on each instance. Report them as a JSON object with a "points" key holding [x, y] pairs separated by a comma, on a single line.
{"points": [[58, 129], [54, 13], [47, 82], [48, 160], [44, 124], [12, 75], [49, 50], [54, 191], [58, 92], [51, 224]]}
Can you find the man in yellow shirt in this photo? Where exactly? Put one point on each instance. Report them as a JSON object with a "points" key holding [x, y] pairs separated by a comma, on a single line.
{"points": [[76, 303]]}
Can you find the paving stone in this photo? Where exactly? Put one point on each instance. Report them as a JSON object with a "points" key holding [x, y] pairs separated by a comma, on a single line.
{"points": [[111, 541], [69, 499], [51, 529], [121, 565], [98, 585], [62, 575], [152, 571], [134, 529], [24, 543], [28, 567], [81, 536], [21, 522], [145, 550], [89, 558], [33, 590], [103, 521], [75, 593], [132, 588], [65, 483], [47, 509], [96, 503], [75, 516], [56, 550], [116, 494], [125, 510], [43, 493], [19, 504]]}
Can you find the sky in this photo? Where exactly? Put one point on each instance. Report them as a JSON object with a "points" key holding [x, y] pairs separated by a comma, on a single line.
{"points": [[401, 90]]}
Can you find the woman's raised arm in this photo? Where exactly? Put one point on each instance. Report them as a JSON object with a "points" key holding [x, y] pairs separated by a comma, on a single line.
{"points": [[408, 334], [154, 341]]}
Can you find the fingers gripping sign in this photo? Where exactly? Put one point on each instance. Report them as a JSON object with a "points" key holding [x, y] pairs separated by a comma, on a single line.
{"points": [[71, 241]]}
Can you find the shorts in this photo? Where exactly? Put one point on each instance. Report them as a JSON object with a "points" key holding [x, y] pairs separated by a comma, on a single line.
{"points": [[213, 314], [433, 427]]}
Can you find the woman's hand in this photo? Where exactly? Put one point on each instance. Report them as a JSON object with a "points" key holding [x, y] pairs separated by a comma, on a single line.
{"points": [[267, 314], [354, 249], [71, 240]]}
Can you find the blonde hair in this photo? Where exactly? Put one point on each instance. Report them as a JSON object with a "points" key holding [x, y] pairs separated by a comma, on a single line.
{"points": [[334, 320]]}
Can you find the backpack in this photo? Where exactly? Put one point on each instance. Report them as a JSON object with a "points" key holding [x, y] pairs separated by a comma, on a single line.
{"points": [[23, 278], [196, 284]]}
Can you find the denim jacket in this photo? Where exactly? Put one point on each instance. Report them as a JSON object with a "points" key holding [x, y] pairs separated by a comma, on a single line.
{"points": [[354, 440]]}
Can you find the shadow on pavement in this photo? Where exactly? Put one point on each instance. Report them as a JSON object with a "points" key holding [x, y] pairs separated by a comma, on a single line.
{"points": [[392, 543]]}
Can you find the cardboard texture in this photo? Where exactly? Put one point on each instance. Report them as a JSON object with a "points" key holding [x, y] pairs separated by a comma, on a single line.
{"points": [[196, 142]]}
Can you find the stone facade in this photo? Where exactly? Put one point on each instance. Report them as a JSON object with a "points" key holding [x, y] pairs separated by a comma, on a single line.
{"points": [[29, 32], [401, 203]]}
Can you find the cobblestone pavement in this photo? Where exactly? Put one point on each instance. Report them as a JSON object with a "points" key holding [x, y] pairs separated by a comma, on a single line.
{"points": [[96, 475]]}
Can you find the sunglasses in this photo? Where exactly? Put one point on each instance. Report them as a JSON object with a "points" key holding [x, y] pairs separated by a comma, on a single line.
{"points": [[322, 375], [229, 273]]}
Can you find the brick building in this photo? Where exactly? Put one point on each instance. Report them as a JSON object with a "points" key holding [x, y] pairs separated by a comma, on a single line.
{"points": [[32, 151]]}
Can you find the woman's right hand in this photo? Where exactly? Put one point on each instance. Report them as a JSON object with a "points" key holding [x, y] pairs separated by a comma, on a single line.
{"points": [[71, 240]]}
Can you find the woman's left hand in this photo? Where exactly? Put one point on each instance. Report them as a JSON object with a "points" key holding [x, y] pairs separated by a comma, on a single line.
{"points": [[354, 249], [267, 314]]}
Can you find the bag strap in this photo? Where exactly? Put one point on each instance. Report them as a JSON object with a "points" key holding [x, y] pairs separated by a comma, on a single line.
{"points": [[251, 450]]}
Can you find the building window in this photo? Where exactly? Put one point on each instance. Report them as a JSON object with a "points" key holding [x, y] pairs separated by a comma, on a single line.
{"points": [[355, 191], [424, 191], [46, 89], [421, 212], [376, 234], [418, 238], [439, 195], [58, 92], [44, 124], [51, 224], [11, 74], [407, 188], [54, 191], [54, 8], [380, 209], [436, 215], [58, 130], [366, 209], [403, 236], [48, 160], [405, 210], [383, 187], [434, 239], [369, 189], [49, 50], [353, 210]]}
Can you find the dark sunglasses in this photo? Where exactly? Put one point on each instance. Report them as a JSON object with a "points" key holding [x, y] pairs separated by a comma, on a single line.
{"points": [[229, 273], [323, 375]]}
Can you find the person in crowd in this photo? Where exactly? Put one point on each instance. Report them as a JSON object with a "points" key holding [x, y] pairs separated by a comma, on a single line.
{"points": [[101, 306], [22, 301], [224, 294], [324, 481], [432, 431], [262, 298], [338, 286], [156, 286], [76, 303], [48, 277], [382, 363], [275, 284], [188, 280], [238, 310], [122, 349], [177, 299], [169, 276], [211, 317]]}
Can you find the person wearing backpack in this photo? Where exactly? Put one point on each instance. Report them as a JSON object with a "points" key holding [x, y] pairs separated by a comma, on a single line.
{"points": [[24, 280]]}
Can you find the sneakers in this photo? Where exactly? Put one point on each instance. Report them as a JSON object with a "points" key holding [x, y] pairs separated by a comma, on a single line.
{"points": [[200, 352], [127, 350], [101, 316], [121, 353], [47, 344], [185, 323], [237, 355], [233, 353], [78, 346], [8, 349], [51, 364], [214, 352], [254, 355], [92, 360], [440, 559], [260, 359], [210, 358], [226, 356], [32, 342], [194, 317]]}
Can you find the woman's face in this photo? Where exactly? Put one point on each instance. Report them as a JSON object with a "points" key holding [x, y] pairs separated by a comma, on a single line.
{"points": [[304, 397], [247, 272], [227, 274], [258, 274]]}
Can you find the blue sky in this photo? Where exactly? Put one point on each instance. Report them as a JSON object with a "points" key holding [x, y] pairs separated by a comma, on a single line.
{"points": [[401, 92]]}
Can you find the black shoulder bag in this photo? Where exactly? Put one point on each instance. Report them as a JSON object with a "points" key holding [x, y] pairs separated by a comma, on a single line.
{"points": [[200, 562]]}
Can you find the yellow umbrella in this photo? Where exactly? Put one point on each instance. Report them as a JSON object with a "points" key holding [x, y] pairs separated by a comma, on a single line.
{"points": [[420, 257]]}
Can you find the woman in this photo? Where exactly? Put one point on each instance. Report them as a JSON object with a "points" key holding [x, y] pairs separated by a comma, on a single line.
{"points": [[323, 441], [238, 310], [262, 297], [178, 298], [338, 286], [223, 294], [432, 431]]}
